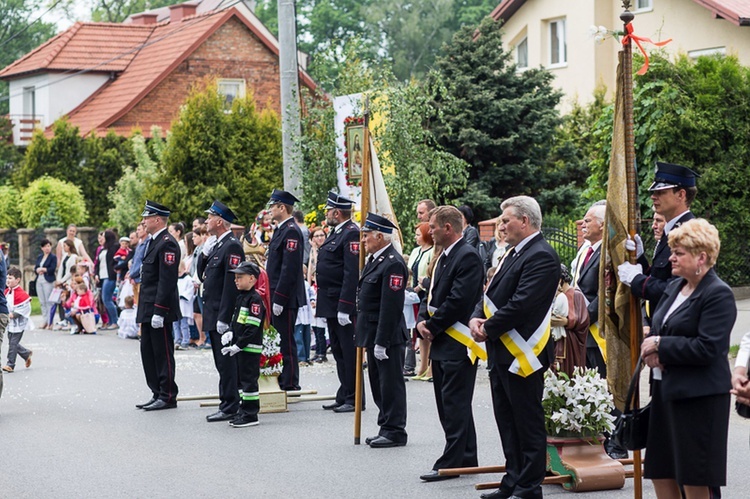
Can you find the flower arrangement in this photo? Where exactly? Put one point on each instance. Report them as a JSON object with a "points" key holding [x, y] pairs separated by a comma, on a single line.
{"points": [[270, 356], [601, 33], [577, 405]]}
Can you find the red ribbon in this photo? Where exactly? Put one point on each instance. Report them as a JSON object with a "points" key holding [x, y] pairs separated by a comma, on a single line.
{"points": [[638, 40]]}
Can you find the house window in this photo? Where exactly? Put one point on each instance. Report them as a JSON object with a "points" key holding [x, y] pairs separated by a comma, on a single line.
{"points": [[644, 5], [522, 54], [29, 101], [558, 50], [231, 89]]}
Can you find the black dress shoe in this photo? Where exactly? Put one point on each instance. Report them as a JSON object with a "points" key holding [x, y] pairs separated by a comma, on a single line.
{"points": [[160, 404], [344, 408], [382, 442], [141, 406], [495, 494], [220, 416], [434, 476], [330, 407], [369, 440]]}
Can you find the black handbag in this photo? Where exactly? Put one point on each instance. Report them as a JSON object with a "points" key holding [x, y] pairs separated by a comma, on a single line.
{"points": [[742, 409], [32, 288], [631, 427]]}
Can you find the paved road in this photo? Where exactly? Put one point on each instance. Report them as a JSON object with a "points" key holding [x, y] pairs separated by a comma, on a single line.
{"points": [[69, 429]]}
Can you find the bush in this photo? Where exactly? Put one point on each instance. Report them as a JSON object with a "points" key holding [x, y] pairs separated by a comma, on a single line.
{"points": [[10, 212], [50, 199]]}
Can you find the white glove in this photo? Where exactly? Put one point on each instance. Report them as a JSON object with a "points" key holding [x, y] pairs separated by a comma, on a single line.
{"points": [[208, 246], [636, 246], [157, 321], [344, 319], [627, 272], [277, 309], [231, 350], [222, 327], [226, 338], [379, 353]]}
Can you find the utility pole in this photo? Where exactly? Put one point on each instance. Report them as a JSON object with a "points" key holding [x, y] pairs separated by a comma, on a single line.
{"points": [[290, 96]]}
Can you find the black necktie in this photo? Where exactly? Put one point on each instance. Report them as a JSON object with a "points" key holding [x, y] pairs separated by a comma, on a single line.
{"points": [[370, 259]]}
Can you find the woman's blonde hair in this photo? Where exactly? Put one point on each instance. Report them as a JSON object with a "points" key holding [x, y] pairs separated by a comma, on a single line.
{"points": [[697, 236]]}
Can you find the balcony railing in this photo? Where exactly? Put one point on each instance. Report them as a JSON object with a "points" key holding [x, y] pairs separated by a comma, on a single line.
{"points": [[24, 126]]}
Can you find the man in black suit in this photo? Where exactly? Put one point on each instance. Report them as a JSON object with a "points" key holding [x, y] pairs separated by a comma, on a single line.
{"points": [[158, 308], [337, 274], [672, 193], [381, 329], [455, 288], [284, 267], [221, 254], [514, 316], [586, 278]]}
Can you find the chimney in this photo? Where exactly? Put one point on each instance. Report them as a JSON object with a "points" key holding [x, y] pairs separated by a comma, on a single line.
{"points": [[179, 12], [143, 19]]}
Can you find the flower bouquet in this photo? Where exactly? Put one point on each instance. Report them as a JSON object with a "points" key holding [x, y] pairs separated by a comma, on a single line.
{"points": [[270, 357], [577, 405]]}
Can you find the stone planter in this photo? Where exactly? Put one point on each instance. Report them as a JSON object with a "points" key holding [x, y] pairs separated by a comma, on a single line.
{"points": [[584, 460]]}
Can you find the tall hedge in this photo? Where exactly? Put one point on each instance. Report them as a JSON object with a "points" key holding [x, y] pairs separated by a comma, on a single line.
{"points": [[55, 201]]}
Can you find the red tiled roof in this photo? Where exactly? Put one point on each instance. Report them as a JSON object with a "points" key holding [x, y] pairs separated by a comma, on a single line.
{"points": [[734, 11], [82, 46], [506, 9]]}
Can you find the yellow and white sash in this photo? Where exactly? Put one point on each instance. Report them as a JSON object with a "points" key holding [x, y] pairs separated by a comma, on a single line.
{"points": [[526, 353], [600, 342], [461, 334]]}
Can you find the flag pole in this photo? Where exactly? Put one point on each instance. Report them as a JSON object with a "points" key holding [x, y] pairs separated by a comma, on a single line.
{"points": [[633, 220], [364, 208]]}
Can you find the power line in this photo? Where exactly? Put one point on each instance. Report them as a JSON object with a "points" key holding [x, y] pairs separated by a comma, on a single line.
{"points": [[22, 30], [70, 73]]}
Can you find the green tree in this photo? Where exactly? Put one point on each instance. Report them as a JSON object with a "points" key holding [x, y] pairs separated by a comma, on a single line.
{"points": [[58, 157], [10, 213], [501, 122], [47, 199], [9, 154], [212, 154], [18, 36], [102, 167]]}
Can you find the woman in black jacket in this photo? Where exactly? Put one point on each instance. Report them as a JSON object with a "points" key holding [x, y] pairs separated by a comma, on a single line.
{"points": [[45, 266], [105, 273], [687, 351]]}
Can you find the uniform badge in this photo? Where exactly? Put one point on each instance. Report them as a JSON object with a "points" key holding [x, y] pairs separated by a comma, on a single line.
{"points": [[170, 257], [396, 282], [234, 261], [291, 245], [354, 247], [255, 308]]}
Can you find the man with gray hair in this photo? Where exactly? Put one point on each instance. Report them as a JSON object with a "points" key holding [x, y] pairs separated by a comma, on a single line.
{"points": [[513, 320]]}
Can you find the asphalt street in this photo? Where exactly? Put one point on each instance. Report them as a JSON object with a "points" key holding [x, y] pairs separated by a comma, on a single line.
{"points": [[69, 429]]}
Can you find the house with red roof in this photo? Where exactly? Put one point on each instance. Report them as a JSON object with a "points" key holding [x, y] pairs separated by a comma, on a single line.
{"points": [[136, 74], [556, 35]]}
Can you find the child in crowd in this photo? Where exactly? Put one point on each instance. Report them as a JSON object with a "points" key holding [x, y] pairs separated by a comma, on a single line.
{"points": [[81, 302], [181, 328], [82, 270], [318, 326], [126, 321], [121, 256], [246, 339], [302, 327], [19, 312]]}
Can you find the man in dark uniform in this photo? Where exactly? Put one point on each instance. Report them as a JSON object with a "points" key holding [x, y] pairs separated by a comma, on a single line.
{"points": [[221, 254], [672, 193], [284, 267], [337, 274], [381, 329], [514, 317], [158, 308], [455, 289]]}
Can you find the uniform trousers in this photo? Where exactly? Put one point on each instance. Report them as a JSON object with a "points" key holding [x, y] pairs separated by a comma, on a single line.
{"points": [[517, 403], [248, 370], [226, 365], [454, 390], [157, 356], [389, 392], [284, 324], [345, 353]]}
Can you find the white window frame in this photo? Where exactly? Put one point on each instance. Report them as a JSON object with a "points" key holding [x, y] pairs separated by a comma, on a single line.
{"points": [[694, 54], [643, 6], [557, 25], [238, 83], [29, 101], [524, 42]]}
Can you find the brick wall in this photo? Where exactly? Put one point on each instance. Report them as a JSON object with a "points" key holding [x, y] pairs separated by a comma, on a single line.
{"points": [[233, 51]]}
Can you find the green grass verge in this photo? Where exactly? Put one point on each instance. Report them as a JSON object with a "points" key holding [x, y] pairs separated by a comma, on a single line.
{"points": [[36, 307]]}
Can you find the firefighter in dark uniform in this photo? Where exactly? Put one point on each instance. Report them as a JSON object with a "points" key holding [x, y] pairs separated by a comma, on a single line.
{"points": [[382, 330], [245, 340], [337, 274], [287, 283], [158, 308], [221, 253]]}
